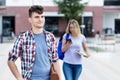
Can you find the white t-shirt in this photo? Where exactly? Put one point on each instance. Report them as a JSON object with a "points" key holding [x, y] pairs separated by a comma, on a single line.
{"points": [[71, 56]]}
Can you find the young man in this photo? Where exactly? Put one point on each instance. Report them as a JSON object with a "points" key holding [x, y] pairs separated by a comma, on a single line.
{"points": [[36, 48]]}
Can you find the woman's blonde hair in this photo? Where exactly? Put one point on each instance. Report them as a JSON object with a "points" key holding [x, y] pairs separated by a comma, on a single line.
{"points": [[75, 24]]}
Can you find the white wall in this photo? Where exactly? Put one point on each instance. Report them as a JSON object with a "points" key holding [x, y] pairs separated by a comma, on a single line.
{"points": [[29, 2], [47, 2], [109, 20], [44, 2], [94, 2], [0, 24], [18, 2]]}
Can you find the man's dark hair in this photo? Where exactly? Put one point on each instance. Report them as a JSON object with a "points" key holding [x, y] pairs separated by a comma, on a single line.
{"points": [[35, 8]]}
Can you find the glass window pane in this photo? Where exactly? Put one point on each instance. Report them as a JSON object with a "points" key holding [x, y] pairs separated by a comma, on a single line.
{"points": [[52, 25]]}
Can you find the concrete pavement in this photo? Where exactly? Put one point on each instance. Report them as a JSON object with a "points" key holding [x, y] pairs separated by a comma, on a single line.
{"points": [[101, 65]]}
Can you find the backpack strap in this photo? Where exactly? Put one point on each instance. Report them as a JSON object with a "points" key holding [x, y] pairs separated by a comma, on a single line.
{"points": [[67, 36]]}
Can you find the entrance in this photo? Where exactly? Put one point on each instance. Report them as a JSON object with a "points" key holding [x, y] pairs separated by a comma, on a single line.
{"points": [[8, 25], [117, 26], [52, 25], [88, 26]]}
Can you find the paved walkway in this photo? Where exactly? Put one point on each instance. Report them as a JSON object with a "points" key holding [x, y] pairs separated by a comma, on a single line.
{"points": [[101, 65]]}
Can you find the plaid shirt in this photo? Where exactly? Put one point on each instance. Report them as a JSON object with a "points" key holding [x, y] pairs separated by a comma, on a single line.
{"points": [[24, 47]]}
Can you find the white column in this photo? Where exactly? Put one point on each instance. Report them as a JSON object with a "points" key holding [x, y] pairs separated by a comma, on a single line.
{"points": [[0, 24]]}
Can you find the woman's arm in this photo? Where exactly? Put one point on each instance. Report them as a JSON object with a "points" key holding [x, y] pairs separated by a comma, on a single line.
{"points": [[65, 45], [86, 50]]}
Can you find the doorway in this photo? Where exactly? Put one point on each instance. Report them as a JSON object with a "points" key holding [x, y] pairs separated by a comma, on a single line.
{"points": [[88, 26], [117, 26], [8, 25]]}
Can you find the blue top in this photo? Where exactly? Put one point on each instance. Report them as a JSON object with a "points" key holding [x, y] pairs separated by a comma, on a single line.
{"points": [[41, 67], [70, 55]]}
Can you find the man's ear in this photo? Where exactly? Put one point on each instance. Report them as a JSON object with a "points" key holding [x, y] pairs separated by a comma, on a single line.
{"points": [[29, 19]]}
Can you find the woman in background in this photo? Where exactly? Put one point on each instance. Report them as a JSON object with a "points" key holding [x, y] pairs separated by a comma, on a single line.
{"points": [[73, 49]]}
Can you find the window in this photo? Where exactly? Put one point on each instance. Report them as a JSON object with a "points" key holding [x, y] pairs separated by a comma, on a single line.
{"points": [[8, 25], [52, 25], [2, 2], [112, 2], [88, 26]]}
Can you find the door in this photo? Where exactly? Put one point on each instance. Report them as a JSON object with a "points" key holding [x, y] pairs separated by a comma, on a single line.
{"points": [[8, 25], [88, 26], [117, 26]]}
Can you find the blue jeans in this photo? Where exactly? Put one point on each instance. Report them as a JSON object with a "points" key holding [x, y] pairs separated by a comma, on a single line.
{"points": [[72, 72]]}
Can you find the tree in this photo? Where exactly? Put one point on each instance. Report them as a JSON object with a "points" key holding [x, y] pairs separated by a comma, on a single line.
{"points": [[70, 8]]}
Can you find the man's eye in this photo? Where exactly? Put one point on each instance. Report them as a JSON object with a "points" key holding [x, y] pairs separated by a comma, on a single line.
{"points": [[42, 16], [36, 16]]}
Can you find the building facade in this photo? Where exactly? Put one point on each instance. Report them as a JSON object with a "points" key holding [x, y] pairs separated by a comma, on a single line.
{"points": [[101, 16]]}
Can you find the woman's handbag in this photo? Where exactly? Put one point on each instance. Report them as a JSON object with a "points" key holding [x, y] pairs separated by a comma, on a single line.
{"points": [[53, 74]]}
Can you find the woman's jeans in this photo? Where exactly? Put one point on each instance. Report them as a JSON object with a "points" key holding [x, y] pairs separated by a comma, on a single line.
{"points": [[72, 72]]}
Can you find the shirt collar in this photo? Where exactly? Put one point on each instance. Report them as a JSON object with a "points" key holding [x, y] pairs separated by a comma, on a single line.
{"points": [[44, 31]]}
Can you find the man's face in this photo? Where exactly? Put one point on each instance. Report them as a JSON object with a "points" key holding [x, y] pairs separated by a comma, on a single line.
{"points": [[37, 20]]}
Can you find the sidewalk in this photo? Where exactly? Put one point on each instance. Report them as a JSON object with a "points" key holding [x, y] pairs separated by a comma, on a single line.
{"points": [[99, 45], [4, 70], [102, 65]]}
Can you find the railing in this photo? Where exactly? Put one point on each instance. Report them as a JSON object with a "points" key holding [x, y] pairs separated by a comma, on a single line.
{"points": [[103, 43]]}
